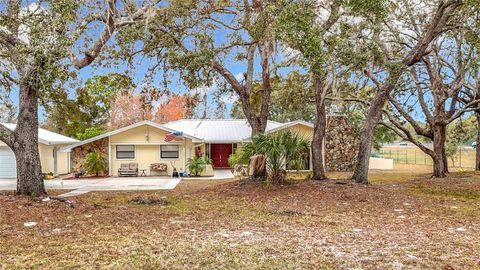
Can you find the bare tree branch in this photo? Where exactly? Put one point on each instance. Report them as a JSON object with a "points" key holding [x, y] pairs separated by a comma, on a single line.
{"points": [[421, 96], [229, 77], [467, 107], [333, 17], [6, 135], [444, 12], [112, 23], [368, 73], [403, 132], [418, 129], [250, 62]]}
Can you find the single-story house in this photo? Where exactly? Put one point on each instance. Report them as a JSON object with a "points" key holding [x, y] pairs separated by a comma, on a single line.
{"points": [[52, 160], [174, 143]]}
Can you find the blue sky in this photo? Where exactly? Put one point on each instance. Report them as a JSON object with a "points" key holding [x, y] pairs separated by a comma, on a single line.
{"points": [[138, 76], [137, 73], [141, 65]]}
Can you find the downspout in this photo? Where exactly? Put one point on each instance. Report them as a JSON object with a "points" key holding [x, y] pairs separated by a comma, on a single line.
{"points": [[55, 158], [109, 157]]}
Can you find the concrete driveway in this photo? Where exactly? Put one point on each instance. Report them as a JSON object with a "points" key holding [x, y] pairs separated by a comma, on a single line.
{"points": [[103, 184]]}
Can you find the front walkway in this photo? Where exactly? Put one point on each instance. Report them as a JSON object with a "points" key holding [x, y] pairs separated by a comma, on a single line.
{"points": [[218, 174], [101, 184]]}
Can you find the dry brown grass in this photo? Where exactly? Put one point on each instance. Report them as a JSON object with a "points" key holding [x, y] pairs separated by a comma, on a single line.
{"points": [[405, 220]]}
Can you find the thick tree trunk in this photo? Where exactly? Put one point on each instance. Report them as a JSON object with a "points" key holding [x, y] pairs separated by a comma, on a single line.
{"points": [[360, 174], [438, 167], [477, 149], [25, 144], [439, 160], [445, 158], [319, 132], [258, 124], [265, 50]]}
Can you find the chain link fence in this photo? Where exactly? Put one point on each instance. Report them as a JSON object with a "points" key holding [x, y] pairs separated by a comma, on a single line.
{"points": [[464, 158]]}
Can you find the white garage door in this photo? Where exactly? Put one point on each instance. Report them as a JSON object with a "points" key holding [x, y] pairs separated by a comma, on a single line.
{"points": [[8, 166]]}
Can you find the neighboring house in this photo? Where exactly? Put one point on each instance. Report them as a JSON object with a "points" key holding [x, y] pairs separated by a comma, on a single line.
{"points": [[173, 143], [52, 160]]}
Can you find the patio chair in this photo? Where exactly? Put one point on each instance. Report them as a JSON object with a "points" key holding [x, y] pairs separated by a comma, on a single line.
{"points": [[128, 169]]}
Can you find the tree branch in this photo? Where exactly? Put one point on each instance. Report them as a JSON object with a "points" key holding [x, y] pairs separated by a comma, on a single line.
{"points": [[436, 27], [6, 135], [468, 107], [333, 17], [9, 40], [229, 77], [371, 77], [421, 96], [112, 23], [418, 129], [359, 100], [250, 62], [403, 132]]}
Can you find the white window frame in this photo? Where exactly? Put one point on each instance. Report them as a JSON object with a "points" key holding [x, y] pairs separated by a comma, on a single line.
{"points": [[160, 151], [134, 152]]}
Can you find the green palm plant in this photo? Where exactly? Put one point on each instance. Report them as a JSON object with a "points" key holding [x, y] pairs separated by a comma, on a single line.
{"points": [[206, 160], [237, 158], [95, 163], [296, 148], [196, 165], [283, 150]]}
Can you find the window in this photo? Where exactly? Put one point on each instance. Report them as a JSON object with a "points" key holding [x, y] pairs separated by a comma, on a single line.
{"points": [[125, 151], [234, 147], [169, 151]]}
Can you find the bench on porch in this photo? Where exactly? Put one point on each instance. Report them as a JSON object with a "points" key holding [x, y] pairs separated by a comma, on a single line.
{"points": [[159, 167], [128, 169]]}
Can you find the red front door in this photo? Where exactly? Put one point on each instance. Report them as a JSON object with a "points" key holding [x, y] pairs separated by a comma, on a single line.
{"points": [[219, 154]]}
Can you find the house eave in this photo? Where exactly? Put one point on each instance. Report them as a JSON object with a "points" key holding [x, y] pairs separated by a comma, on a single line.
{"points": [[223, 141], [120, 130]]}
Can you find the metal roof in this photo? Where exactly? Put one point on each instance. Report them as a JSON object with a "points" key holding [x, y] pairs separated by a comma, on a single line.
{"points": [[203, 130], [47, 137], [290, 124], [218, 130]]}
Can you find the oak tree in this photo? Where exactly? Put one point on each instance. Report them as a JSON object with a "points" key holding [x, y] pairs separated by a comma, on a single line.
{"points": [[205, 38], [436, 87], [40, 46], [400, 41]]}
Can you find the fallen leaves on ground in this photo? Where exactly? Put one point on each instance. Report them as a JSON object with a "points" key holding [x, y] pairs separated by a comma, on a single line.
{"points": [[414, 223]]}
